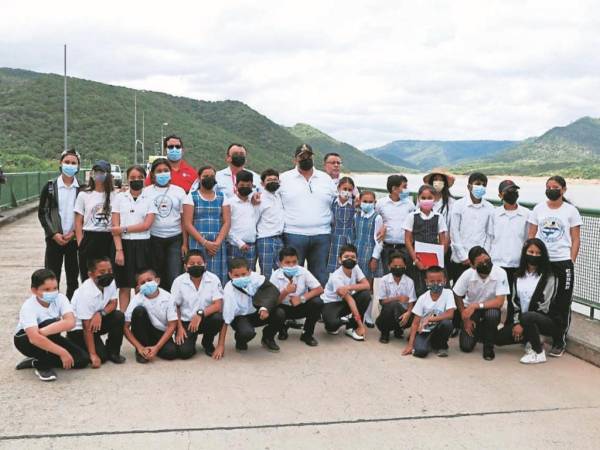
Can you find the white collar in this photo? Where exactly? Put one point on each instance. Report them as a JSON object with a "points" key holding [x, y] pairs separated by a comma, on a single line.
{"points": [[61, 184], [366, 216]]}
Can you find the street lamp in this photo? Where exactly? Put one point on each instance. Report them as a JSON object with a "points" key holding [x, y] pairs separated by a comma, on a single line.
{"points": [[162, 138], [156, 149]]}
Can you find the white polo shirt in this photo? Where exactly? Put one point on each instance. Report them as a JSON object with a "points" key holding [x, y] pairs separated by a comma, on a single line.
{"points": [[470, 225], [90, 205], [307, 204], [270, 215], [243, 221], [304, 281], [426, 306], [554, 228], [509, 233], [394, 215], [32, 313], [133, 212], [67, 195], [168, 202], [447, 213], [226, 181], [88, 299], [475, 289], [389, 288], [237, 303], [189, 299], [338, 279], [161, 309]]}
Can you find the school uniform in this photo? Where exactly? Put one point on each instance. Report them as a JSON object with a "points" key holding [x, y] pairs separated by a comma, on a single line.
{"points": [[185, 177], [89, 300], [33, 314], [97, 239], [137, 252], [226, 181], [366, 228], [435, 336], [335, 307], [149, 318], [342, 230], [444, 210], [389, 316], [242, 231], [166, 238], [554, 229], [394, 214], [309, 309], [190, 301], [269, 230]]}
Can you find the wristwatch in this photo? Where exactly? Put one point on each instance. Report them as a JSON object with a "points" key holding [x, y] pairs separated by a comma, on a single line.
{"points": [[124, 230], [481, 306], [302, 298], [200, 312]]}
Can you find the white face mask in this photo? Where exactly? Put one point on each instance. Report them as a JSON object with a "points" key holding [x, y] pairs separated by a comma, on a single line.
{"points": [[438, 185]]}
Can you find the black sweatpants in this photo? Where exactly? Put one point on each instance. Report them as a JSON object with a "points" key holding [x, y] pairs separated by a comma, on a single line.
{"points": [[311, 309], [166, 259], [332, 312], [53, 260], [95, 244], [46, 360], [564, 271], [244, 325], [209, 328], [148, 336], [112, 325], [486, 328], [510, 310], [389, 316], [436, 339], [535, 324]]}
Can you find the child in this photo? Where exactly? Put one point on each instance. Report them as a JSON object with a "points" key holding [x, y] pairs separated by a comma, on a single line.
{"points": [[299, 297], [198, 295], [424, 225], [42, 319], [239, 310], [242, 234], [269, 226], [342, 221], [433, 312], [95, 307], [150, 320], [207, 221], [397, 297], [347, 292]]}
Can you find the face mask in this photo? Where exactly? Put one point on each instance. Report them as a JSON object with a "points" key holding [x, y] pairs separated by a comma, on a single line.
{"points": [[208, 182], [553, 194], [69, 169], [163, 178], [348, 263], [244, 191], [50, 297], [196, 271], [345, 195], [306, 164], [511, 197], [136, 185], [367, 208], [105, 280], [426, 205], [398, 271], [291, 272], [533, 260], [478, 191], [241, 282], [438, 186], [100, 177], [149, 288], [238, 160], [174, 154], [404, 195], [484, 268], [272, 186], [435, 288]]}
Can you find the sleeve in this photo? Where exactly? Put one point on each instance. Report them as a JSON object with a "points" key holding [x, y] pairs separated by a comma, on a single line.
{"points": [[84, 309], [382, 291], [44, 211], [113, 294], [189, 200], [575, 218], [80, 203], [228, 305], [411, 294], [409, 222], [359, 273], [502, 287], [442, 227], [488, 228], [418, 308], [533, 217], [458, 248], [378, 244], [135, 301], [116, 205], [462, 284], [217, 291], [176, 294], [27, 317], [65, 305], [171, 311], [311, 280], [450, 303]]}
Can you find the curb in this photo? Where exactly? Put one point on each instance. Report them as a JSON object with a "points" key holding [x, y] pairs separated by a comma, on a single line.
{"points": [[583, 350], [14, 214]]}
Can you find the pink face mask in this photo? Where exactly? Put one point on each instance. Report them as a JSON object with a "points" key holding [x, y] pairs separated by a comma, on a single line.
{"points": [[426, 205]]}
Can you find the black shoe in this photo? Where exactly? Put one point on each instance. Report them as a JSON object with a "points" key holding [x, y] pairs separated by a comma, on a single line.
{"points": [[209, 349], [269, 344], [398, 334], [488, 353], [45, 374], [27, 363], [309, 340], [385, 338], [556, 352], [139, 358], [283, 334], [370, 325], [454, 332], [116, 358], [241, 346]]}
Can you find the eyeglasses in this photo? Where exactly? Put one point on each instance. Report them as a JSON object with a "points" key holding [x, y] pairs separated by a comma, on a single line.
{"points": [[334, 163], [171, 147]]}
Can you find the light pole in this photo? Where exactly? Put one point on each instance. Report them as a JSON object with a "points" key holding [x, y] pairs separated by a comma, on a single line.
{"points": [[162, 138], [137, 141], [156, 148]]}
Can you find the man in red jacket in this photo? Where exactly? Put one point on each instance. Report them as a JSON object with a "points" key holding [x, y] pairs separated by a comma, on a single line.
{"points": [[182, 174]]}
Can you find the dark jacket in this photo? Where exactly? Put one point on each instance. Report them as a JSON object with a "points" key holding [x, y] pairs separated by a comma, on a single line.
{"points": [[48, 209], [542, 299]]}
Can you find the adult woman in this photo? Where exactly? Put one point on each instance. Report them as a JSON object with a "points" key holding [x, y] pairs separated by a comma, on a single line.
{"points": [[441, 182]]}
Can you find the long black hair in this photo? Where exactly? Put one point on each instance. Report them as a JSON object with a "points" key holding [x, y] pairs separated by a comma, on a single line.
{"points": [[544, 268], [108, 189]]}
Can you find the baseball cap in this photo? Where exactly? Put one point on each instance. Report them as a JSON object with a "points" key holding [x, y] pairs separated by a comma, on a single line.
{"points": [[506, 184], [304, 148], [102, 165]]}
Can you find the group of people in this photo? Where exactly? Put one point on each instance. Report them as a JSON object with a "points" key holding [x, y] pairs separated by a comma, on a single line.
{"points": [[187, 243]]}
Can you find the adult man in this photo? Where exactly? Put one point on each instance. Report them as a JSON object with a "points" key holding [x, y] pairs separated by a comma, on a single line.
{"points": [[236, 161], [332, 164], [182, 174], [306, 194]]}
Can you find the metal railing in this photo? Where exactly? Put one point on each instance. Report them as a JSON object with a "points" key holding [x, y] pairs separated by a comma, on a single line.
{"points": [[22, 187]]}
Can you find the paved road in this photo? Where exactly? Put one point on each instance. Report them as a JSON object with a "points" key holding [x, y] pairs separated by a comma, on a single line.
{"points": [[342, 394]]}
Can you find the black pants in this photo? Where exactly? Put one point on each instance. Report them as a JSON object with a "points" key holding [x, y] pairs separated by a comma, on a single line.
{"points": [[46, 360], [486, 328], [311, 309], [510, 310], [148, 336], [387, 250], [112, 325], [389, 316], [332, 312], [564, 272], [95, 244], [244, 325], [436, 339], [166, 259], [53, 260], [534, 325], [209, 327]]}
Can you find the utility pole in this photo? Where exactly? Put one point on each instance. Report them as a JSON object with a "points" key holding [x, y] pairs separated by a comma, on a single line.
{"points": [[135, 127], [143, 138], [65, 97]]}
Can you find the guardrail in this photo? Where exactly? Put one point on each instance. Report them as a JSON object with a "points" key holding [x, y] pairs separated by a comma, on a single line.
{"points": [[22, 187]]}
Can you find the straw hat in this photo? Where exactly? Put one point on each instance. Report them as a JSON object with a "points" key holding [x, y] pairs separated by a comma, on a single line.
{"points": [[427, 179]]}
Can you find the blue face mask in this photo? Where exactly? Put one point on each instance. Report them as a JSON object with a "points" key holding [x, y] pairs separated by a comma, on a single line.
{"points": [[149, 288], [174, 154], [69, 169], [404, 195], [100, 177], [163, 178], [291, 272], [478, 191], [241, 282], [50, 297], [436, 288], [367, 208]]}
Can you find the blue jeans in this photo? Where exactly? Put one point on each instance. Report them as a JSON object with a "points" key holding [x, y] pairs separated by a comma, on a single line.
{"points": [[314, 249]]}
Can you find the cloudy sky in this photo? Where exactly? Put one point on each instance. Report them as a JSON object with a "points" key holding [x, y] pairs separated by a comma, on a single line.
{"points": [[366, 72]]}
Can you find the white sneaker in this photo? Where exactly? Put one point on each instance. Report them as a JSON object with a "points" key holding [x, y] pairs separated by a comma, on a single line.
{"points": [[534, 358], [528, 348], [354, 335]]}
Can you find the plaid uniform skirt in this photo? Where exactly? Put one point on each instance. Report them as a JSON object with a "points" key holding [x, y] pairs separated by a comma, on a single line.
{"points": [[216, 264], [337, 241], [250, 255], [268, 254]]}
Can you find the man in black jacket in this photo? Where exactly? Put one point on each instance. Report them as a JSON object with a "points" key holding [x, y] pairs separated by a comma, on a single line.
{"points": [[56, 215]]}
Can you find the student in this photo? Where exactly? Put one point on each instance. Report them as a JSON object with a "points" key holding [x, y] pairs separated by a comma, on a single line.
{"points": [[150, 320], [299, 297], [182, 174], [198, 296], [441, 182], [557, 223], [396, 293], [342, 221], [167, 240], [426, 226], [347, 293], [394, 209], [240, 312], [534, 301], [433, 312], [241, 241], [133, 215], [95, 307], [93, 217], [207, 221], [56, 214], [269, 225], [480, 292], [42, 319]]}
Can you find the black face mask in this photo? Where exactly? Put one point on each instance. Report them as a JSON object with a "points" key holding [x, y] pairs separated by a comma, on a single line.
{"points": [[105, 279], [208, 182], [272, 186], [398, 271], [484, 268], [238, 160], [553, 194], [511, 197], [306, 164], [533, 260], [244, 191], [136, 185], [196, 271], [349, 263]]}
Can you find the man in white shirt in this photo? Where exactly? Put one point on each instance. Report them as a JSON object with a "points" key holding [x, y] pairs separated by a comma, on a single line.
{"points": [[236, 159], [332, 165], [241, 240], [95, 307], [307, 194], [480, 292], [269, 225]]}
